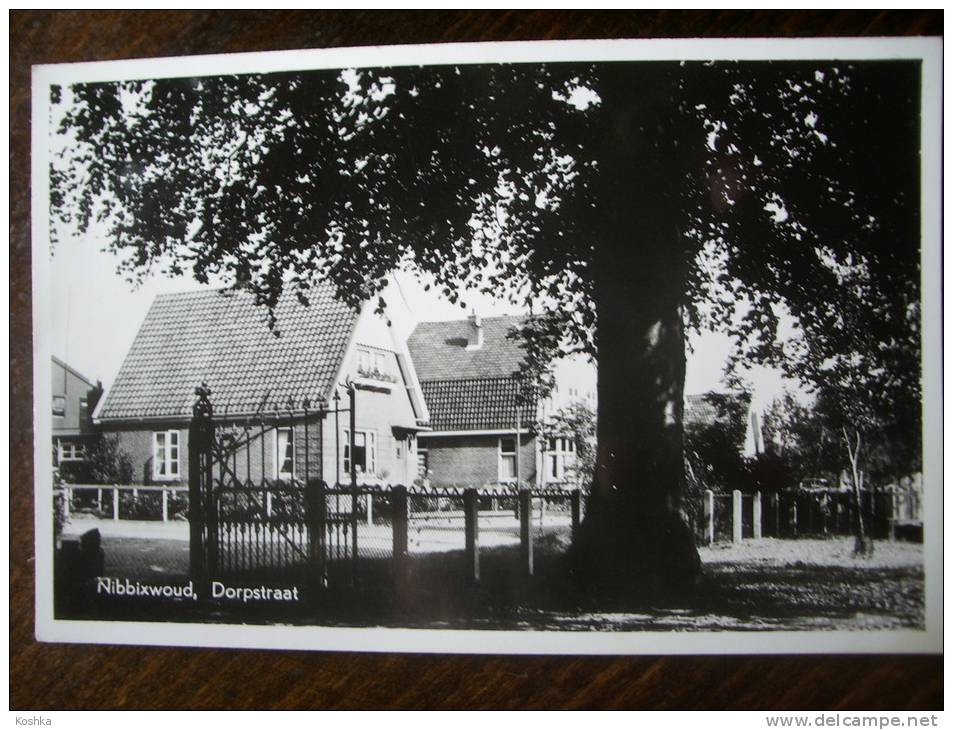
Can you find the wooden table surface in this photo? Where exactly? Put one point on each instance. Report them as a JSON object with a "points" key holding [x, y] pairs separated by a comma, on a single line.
{"points": [[50, 676]]}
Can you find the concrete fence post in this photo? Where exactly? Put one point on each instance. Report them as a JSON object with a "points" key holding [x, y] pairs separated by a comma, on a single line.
{"points": [[472, 533], [894, 514], [67, 497], [370, 509], [116, 503], [756, 515], [708, 509], [526, 535], [574, 500], [165, 505], [736, 516], [399, 525]]}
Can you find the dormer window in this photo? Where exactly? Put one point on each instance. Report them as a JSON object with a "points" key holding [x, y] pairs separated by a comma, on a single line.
{"points": [[372, 365], [363, 361]]}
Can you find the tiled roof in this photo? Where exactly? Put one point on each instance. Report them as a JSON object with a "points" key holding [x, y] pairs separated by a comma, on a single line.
{"points": [[475, 404], [706, 409], [439, 350], [222, 338], [475, 389]]}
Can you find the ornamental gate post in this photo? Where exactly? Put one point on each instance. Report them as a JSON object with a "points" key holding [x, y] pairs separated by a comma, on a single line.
{"points": [[201, 435], [316, 504]]}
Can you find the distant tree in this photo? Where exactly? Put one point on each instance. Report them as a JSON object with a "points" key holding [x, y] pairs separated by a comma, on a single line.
{"points": [[621, 201], [576, 422], [798, 443], [846, 429]]}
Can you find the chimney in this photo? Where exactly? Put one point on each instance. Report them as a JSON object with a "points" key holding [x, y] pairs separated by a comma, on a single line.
{"points": [[474, 332]]}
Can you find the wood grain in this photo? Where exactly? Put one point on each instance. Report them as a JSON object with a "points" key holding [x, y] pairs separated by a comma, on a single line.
{"points": [[47, 676]]}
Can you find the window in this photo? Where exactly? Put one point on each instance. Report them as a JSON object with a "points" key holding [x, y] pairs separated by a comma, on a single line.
{"points": [[363, 361], [83, 411], [59, 405], [165, 455], [365, 452], [507, 459], [560, 454], [284, 453], [71, 450], [372, 364]]}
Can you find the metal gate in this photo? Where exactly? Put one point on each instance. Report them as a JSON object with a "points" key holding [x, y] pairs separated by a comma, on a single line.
{"points": [[260, 512]]}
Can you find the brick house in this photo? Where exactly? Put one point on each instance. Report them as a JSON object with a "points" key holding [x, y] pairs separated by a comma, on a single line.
{"points": [[74, 397], [467, 371], [222, 338]]}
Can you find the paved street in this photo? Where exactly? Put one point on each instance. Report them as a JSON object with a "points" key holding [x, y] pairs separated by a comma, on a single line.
{"points": [[138, 549], [145, 559]]}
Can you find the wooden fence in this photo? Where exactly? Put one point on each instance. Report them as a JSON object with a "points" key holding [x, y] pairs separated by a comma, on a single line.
{"points": [[287, 527], [126, 501], [805, 513]]}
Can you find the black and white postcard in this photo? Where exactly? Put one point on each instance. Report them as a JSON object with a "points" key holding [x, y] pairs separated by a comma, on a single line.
{"points": [[582, 347]]}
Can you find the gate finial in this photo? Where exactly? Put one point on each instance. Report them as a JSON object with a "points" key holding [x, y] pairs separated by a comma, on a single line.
{"points": [[203, 405]]}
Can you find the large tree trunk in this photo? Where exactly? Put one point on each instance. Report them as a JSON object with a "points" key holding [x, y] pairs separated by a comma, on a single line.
{"points": [[635, 543]]}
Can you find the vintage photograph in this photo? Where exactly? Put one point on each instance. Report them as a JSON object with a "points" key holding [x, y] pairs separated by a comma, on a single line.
{"points": [[586, 341]]}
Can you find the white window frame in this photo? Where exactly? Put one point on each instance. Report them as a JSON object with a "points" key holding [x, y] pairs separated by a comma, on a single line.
{"points": [[422, 451], [61, 411], [363, 360], [560, 454], [370, 451], [76, 450], [173, 464], [504, 457], [279, 458]]}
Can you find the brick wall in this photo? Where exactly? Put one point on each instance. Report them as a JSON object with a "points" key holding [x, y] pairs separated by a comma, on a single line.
{"points": [[136, 441], [473, 461]]}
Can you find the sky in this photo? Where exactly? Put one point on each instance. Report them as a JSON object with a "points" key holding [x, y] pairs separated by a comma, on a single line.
{"points": [[97, 315]]}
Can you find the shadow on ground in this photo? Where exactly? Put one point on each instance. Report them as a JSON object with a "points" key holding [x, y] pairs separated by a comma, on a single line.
{"points": [[763, 585]]}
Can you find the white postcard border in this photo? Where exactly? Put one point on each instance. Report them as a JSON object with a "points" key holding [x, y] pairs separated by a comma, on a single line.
{"points": [[505, 642]]}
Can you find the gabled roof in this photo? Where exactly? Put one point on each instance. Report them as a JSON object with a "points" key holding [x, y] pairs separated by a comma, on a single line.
{"points": [[707, 409], [470, 389], [76, 373], [439, 350], [475, 405], [221, 337]]}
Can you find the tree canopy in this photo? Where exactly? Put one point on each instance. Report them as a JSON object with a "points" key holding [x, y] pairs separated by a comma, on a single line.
{"points": [[797, 186]]}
